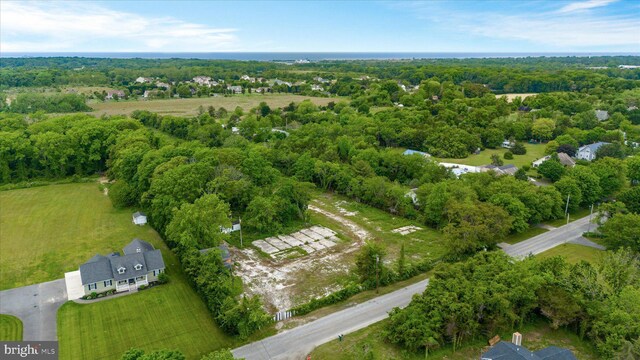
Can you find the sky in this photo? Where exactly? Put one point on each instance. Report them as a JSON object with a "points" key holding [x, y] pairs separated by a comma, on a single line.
{"points": [[320, 26]]}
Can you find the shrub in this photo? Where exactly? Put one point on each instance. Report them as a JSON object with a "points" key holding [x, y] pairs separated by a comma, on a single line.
{"points": [[163, 278], [518, 149], [94, 294], [142, 287], [508, 155]]}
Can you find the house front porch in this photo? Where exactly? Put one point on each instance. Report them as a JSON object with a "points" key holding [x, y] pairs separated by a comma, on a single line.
{"points": [[131, 284]]}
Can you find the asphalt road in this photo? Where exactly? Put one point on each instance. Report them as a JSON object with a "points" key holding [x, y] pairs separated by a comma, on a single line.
{"points": [[543, 242], [298, 342], [37, 306]]}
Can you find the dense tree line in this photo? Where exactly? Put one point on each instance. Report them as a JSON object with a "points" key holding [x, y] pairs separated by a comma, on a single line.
{"points": [[489, 293]]}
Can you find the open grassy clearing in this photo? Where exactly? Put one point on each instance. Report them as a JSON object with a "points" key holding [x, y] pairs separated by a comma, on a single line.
{"points": [[573, 253], [534, 152], [370, 343], [189, 107], [529, 233], [170, 316], [300, 277], [53, 229], [10, 328], [426, 243], [49, 230]]}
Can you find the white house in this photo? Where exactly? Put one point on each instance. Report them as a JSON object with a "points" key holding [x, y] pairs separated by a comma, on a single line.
{"points": [[237, 89], [111, 94], [315, 87], [507, 144], [235, 226], [460, 169], [143, 80], [139, 218], [202, 80], [539, 162], [588, 152]]}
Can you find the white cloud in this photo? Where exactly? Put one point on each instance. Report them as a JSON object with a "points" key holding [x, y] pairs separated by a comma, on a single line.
{"points": [[74, 26], [563, 32], [584, 5], [571, 28]]}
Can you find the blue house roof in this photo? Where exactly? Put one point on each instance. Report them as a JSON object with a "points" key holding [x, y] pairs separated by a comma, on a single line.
{"points": [[594, 147], [508, 351], [411, 152]]}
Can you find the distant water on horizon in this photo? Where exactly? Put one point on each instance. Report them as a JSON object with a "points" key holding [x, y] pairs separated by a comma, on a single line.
{"points": [[311, 56]]}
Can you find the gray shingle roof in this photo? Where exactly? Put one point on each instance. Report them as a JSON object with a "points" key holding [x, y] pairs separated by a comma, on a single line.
{"points": [[100, 267], [508, 351], [602, 115], [153, 260], [95, 270], [138, 214], [593, 147], [137, 246], [128, 262], [555, 353]]}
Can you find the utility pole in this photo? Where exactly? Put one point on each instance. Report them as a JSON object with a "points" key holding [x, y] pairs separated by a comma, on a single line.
{"points": [[590, 214], [377, 277], [240, 224], [566, 209]]}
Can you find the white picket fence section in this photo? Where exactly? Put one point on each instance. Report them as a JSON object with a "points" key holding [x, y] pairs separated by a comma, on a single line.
{"points": [[283, 315]]}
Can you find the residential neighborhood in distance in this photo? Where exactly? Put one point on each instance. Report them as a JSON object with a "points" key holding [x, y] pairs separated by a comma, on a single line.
{"points": [[200, 181]]}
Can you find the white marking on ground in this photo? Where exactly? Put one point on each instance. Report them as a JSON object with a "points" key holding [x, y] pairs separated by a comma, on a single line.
{"points": [[406, 230]]}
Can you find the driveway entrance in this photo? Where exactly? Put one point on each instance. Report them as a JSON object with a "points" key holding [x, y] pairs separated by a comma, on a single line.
{"points": [[37, 306]]}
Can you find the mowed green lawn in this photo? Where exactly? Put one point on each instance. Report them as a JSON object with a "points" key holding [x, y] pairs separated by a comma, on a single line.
{"points": [[534, 152], [10, 328], [49, 230], [170, 316], [573, 253]]}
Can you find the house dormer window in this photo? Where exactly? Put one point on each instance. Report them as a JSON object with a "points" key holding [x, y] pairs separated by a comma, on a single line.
{"points": [[121, 270], [138, 267]]}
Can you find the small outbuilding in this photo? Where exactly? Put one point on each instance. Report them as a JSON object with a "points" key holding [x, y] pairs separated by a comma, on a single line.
{"points": [[139, 218]]}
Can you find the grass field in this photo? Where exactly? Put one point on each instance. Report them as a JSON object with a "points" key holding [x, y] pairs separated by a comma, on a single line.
{"points": [[170, 316], [189, 107], [10, 328], [422, 244], [573, 253], [534, 152], [50, 230], [370, 343]]}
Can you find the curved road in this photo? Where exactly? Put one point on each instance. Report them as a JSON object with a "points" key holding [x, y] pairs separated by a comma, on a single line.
{"points": [[298, 342]]}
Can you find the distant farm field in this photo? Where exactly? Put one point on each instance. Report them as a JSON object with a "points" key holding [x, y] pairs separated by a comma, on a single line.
{"points": [[511, 97], [49, 230], [189, 107]]}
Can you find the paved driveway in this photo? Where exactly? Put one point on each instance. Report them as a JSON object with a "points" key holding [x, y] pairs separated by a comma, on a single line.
{"points": [[298, 342], [37, 307]]}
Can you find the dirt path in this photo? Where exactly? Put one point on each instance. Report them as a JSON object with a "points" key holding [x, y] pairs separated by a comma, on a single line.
{"points": [[282, 284], [356, 229]]}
